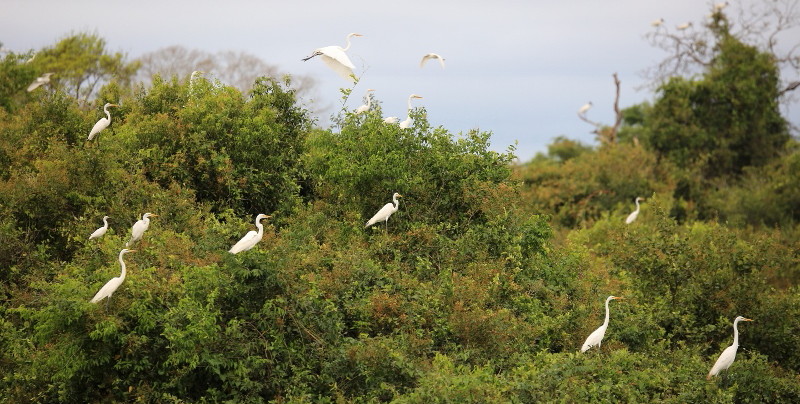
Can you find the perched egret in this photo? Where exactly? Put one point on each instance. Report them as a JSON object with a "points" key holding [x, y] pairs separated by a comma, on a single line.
{"points": [[365, 107], [720, 6], [390, 119], [596, 337], [684, 26], [385, 212], [336, 58], [103, 122], [729, 354], [407, 122], [102, 230], [585, 108], [657, 23], [139, 228], [635, 213], [41, 80], [112, 285], [431, 56], [251, 238]]}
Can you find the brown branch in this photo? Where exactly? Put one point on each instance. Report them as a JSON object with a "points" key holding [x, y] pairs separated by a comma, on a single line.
{"points": [[589, 121], [612, 134]]}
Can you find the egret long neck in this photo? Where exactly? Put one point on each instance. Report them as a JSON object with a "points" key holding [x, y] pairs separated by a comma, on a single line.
{"points": [[637, 204], [409, 104], [605, 323], [122, 265], [396, 202], [347, 46], [260, 228], [736, 332], [105, 222], [108, 114]]}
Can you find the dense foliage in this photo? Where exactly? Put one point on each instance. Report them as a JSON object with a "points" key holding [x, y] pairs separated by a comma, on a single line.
{"points": [[481, 288]]}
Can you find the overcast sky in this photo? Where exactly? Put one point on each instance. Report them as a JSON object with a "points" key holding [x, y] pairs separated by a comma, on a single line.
{"points": [[520, 69]]}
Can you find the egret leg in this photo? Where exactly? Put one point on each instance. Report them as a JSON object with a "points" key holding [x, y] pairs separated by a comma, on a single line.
{"points": [[107, 300]]}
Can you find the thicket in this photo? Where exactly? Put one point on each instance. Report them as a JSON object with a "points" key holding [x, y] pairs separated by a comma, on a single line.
{"points": [[481, 288]]}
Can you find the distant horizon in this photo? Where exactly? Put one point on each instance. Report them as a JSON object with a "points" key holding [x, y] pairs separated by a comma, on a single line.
{"points": [[524, 85]]}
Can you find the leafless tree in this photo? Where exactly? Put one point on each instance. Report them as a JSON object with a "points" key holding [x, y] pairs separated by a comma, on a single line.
{"points": [[239, 69], [766, 24]]}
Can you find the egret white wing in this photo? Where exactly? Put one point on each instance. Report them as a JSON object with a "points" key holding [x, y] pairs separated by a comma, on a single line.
{"points": [[35, 85], [98, 127], [595, 338], [724, 361], [247, 242], [382, 214], [108, 289], [343, 70], [98, 233]]}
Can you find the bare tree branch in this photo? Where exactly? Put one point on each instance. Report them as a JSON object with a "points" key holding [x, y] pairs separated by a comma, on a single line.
{"points": [[764, 24], [238, 69]]}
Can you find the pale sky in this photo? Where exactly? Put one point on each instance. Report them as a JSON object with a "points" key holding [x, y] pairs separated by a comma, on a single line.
{"points": [[520, 69]]}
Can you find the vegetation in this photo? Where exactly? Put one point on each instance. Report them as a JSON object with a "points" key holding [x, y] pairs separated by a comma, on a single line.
{"points": [[482, 287]]}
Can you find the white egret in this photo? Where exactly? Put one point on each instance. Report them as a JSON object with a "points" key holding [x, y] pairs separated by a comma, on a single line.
{"points": [[684, 26], [365, 107], [585, 108], [729, 354], [431, 56], [635, 213], [720, 6], [251, 238], [103, 122], [596, 337], [40, 81], [139, 228], [385, 212], [391, 119], [112, 285], [335, 57], [102, 230], [407, 122], [657, 23], [194, 77]]}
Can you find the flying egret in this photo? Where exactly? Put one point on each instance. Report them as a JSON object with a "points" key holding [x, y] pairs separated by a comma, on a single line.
{"points": [[585, 108], [103, 122], [251, 238], [431, 56], [657, 23], [365, 107], [41, 80], [596, 337], [385, 212], [635, 213], [407, 122], [335, 57], [684, 26], [112, 285], [139, 228], [102, 230], [729, 354]]}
